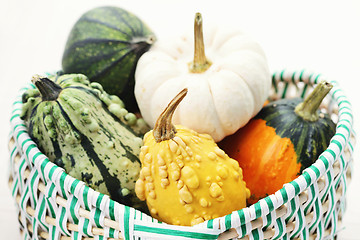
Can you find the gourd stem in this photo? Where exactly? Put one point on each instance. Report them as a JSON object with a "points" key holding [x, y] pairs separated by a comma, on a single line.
{"points": [[308, 108], [48, 89], [164, 129], [200, 63]]}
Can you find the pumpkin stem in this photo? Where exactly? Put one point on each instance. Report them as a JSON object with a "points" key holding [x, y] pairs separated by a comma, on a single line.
{"points": [[164, 129], [308, 108], [200, 63], [48, 89]]}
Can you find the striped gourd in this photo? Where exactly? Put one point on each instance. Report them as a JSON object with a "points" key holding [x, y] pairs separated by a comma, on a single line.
{"points": [[75, 124], [105, 45]]}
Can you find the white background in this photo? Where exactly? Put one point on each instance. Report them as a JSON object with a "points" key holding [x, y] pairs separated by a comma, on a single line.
{"points": [[317, 35]]}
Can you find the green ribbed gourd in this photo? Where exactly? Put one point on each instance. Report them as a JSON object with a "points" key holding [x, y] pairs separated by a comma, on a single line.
{"points": [[105, 45], [88, 132]]}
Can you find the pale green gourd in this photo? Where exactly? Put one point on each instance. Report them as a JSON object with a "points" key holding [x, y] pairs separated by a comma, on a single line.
{"points": [[88, 132]]}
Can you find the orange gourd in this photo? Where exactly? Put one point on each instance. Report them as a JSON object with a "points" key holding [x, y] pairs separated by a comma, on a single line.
{"points": [[284, 138]]}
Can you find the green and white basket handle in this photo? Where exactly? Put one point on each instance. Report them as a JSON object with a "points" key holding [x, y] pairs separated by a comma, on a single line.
{"points": [[54, 205]]}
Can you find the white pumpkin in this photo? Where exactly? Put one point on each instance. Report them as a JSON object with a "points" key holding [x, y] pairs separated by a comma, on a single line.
{"points": [[226, 88]]}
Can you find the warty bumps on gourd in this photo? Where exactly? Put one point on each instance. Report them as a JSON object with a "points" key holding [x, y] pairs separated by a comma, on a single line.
{"points": [[88, 132]]}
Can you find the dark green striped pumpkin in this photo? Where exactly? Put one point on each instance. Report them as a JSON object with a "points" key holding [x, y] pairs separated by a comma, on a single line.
{"points": [[105, 45], [74, 124]]}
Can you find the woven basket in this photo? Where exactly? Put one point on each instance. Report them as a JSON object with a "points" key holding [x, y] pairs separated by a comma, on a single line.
{"points": [[54, 205]]}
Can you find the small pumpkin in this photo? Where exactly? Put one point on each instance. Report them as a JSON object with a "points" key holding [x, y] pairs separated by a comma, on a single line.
{"points": [[105, 45], [74, 124], [227, 86], [285, 137], [185, 177]]}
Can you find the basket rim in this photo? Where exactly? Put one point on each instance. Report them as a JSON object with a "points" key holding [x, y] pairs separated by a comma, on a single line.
{"points": [[344, 129]]}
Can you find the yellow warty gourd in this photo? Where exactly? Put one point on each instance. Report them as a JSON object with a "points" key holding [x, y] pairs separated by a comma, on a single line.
{"points": [[185, 177]]}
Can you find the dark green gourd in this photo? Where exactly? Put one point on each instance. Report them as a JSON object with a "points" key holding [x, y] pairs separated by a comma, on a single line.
{"points": [[309, 129], [105, 45], [81, 128]]}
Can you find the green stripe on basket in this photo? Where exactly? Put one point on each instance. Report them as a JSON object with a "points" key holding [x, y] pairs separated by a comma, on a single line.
{"points": [[62, 184], [53, 231], [351, 146], [50, 192], [85, 227], [284, 195], [301, 75], [255, 234], [317, 78], [300, 219], [14, 116], [23, 199], [341, 135], [307, 178], [174, 232], [325, 161], [296, 186], [285, 90], [317, 205], [304, 234], [33, 187], [269, 203], [61, 220], [316, 170], [36, 156], [210, 223], [19, 125], [293, 77], [73, 203], [344, 101], [258, 211], [343, 126], [337, 143], [42, 209], [29, 148], [20, 175], [334, 92], [15, 187], [99, 200], [282, 75], [312, 189], [228, 221], [51, 172], [126, 222], [74, 185], [274, 83], [280, 227], [242, 220], [97, 216], [112, 210], [293, 209], [269, 220], [17, 102], [304, 90], [320, 230], [111, 233], [20, 133], [331, 206], [13, 151], [85, 197], [75, 235], [327, 190], [342, 163]]}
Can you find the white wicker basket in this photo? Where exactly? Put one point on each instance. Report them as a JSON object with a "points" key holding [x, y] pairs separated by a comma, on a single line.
{"points": [[54, 205]]}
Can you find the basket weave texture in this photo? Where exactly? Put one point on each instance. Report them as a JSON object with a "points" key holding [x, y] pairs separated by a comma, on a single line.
{"points": [[54, 205]]}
